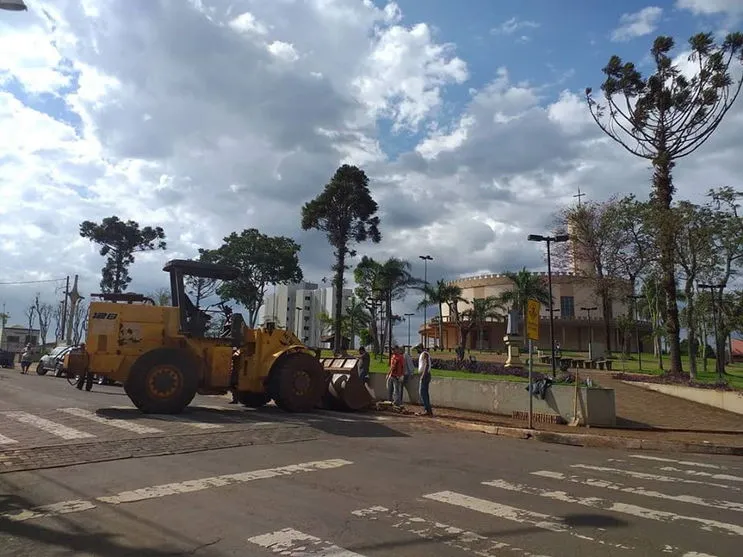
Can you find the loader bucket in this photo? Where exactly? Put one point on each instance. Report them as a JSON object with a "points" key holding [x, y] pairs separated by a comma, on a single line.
{"points": [[346, 391]]}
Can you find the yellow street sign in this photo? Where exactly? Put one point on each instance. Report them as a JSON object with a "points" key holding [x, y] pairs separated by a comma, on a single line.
{"points": [[532, 319]]}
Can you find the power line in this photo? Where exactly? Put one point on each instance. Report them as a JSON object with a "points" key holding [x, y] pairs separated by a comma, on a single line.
{"points": [[30, 282]]}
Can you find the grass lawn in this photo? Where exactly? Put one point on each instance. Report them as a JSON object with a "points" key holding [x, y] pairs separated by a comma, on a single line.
{"points": [[649, 366]]}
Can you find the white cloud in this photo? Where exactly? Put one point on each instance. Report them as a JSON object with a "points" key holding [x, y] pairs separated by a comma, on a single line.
{"points": [[711, 7], [637, 24], [174, 114], [510, 26]]}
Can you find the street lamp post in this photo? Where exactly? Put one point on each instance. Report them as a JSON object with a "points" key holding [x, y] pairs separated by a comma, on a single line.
{"points": [[426, 259], [548, 240], [590, 330], [13, 5], [719, 361], [408, 316]]}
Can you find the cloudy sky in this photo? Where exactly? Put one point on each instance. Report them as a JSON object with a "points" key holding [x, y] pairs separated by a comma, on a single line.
{"points": [[208, 116]]}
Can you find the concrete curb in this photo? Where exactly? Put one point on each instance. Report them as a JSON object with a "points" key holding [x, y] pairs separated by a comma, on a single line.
{"points": [[596, 441]]}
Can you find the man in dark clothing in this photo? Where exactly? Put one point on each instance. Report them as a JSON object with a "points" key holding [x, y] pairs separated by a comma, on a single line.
{"points": [[424, 368], [363, 365]]}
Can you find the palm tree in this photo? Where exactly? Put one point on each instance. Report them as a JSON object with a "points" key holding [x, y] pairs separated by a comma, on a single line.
{"points": [[394, 280], [439, 294], [356, 318], [526, 286], [482, 309]]}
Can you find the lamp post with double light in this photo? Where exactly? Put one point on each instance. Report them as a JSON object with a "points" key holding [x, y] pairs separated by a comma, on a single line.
{"points": [[408, 316], [549, 240], [426, 259]]}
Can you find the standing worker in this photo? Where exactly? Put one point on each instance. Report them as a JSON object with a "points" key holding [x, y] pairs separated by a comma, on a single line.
{"points": [[364, 361], [397, 372], [424, 368]]}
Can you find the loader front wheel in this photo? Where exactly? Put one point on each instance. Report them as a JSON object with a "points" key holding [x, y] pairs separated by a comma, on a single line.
{"points": [[162, 381], [297, 382], [253, 400]]}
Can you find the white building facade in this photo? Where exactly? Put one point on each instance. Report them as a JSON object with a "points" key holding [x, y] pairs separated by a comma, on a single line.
{"points": [[297, 307]]}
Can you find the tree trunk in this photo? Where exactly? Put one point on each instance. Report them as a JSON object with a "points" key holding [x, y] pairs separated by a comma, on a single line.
{"points": [[373, 331], [340, 263], [692, 328], [663, 185], [703, 342], [720, 354]]}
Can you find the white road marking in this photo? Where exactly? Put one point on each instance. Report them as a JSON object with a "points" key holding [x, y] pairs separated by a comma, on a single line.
{"points": [[113, 422], [514, 514], [622, 508], [465, 540], [6, 440], [684, 462], [293, 543], [593, 482], [699, 473], [49, 426], [654, 477], [65, 507], [190, 486]]}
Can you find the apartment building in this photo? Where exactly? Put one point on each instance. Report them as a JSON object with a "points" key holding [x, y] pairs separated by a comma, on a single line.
{"points": [[297, 307]]}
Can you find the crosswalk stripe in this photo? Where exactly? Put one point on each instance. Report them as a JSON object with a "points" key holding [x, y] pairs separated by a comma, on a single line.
{"points": [[514, 514], [47, 425], [593, 482], [190, 486], [655, 477], [464, 540], [113, 422], [293, 543], [700, 474], [6, 440], [684, 462], [185, 420], [622, 508]]}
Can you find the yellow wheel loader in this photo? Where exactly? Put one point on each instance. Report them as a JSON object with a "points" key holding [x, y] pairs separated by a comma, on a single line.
{"points": [[164, 357]]}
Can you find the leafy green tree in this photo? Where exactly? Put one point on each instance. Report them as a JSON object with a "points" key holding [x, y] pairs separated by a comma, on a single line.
{"points": [[356, 318], [480, 311], [367, 278], [262, 260], [526, 286], [438, 294], [119, 242], [345, 211], [695, 231], [200, 288], [663, 118]]}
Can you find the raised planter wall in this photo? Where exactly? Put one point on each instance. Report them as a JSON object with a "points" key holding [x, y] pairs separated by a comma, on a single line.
{"points": [[732, 401], [595, 406]]}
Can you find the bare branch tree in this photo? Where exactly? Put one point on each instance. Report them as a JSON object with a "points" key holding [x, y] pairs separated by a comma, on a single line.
{"points": [[44, 313], [79, 323], [30, 316], [58, 321], [666, 117]]}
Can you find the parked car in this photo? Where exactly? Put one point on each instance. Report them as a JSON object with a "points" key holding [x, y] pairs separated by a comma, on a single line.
{"points": [[7, 359], [54, 361]]}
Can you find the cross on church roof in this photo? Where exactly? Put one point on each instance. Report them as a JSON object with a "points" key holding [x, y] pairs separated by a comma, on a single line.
{"points": [[579, 195]]}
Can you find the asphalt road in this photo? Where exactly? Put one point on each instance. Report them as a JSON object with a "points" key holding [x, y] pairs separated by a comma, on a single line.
{"points": [[334, 485]]}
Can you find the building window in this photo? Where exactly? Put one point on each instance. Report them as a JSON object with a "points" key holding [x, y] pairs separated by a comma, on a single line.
{"points": [[306, 328], [306, 308], [567, 307], [14, 338], [306, 317], [306, 298]]}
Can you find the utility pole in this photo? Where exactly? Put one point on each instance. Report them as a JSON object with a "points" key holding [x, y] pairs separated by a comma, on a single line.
{"points": [[63, 329], [590, 330], [426, 259], [74, 299]]}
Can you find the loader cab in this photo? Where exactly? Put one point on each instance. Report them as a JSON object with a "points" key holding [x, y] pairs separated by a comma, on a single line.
{"points": [[194, 321]]}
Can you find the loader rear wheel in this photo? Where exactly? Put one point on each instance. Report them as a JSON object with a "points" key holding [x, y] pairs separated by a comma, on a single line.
{"points": [[297, 382], [162, 381], [253, 400]]}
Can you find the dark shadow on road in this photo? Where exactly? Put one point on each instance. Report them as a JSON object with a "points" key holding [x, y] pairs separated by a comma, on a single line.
{"points": [[592, 520], [332, 425], [393, 544], [626, 422]]}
